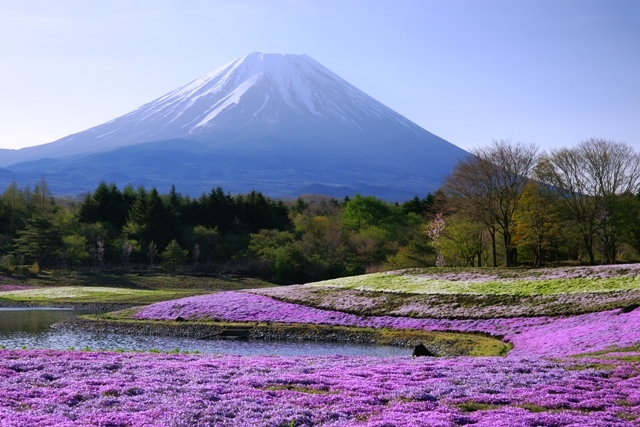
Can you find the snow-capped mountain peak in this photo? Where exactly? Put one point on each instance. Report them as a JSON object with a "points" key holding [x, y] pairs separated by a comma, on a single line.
{"points": [[257, 91], [291, 81], [266, 121]]}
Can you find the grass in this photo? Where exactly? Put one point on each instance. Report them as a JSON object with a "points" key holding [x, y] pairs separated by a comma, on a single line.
{"points": [[106, 288], [94, 294], [593, 365], [472, 293], [139, 281], [414, 284], [472, 406], [450, 306], [299, 389], [444, 343], [616, 353]]}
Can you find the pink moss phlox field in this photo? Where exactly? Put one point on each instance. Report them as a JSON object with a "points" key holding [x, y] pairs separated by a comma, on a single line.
{"points": [[57, 388], [538, 336], [596, 271], [8, 288]]}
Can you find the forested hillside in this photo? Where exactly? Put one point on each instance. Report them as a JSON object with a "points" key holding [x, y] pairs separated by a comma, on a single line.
{"points": [[311, 237], [508, 205]]}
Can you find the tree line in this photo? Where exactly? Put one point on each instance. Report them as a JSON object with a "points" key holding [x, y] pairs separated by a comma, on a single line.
{"points": [[505, 204], [511, 203], [309, 238]]}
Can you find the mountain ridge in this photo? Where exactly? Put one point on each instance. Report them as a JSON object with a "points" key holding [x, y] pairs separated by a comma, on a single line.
{"points": [[268, 115]]}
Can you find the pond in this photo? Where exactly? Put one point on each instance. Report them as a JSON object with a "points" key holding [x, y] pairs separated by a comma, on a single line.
{"points": [[31, 328]]}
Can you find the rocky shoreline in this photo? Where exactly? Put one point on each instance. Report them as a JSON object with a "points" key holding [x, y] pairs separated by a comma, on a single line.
{"points": [[80, 306], [258, 331]]}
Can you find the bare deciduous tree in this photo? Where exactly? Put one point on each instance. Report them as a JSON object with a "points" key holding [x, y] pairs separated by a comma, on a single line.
{"points": [[589, 177], [100, 252], [127, 250], [196, 256], [152, 251], [490, 183]]}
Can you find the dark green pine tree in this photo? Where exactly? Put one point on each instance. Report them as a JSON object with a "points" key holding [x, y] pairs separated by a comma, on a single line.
{"points": [[40, 239], [137, 224], [299, 206], [175, 199], [217, 210], [163, 223], [258, 212], [129, 195], [15, 210], [107, 204], [152, 218], [419, 206]]}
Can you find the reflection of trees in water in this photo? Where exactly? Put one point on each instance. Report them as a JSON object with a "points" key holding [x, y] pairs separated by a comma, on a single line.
{"points": [[31, 321]]}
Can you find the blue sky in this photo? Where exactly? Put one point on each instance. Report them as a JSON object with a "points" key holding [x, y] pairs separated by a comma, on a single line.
{"points": [[549, 72]]}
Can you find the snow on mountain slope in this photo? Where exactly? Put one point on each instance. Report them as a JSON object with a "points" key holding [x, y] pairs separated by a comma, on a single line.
{"points": [[274, 122], [257, 90]]}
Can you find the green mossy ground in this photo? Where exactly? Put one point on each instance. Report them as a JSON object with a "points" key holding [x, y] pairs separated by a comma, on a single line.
{"points": [[411, 282], [445, 343], [616, 353], [138, 281], [61, 295], [133, 289]]}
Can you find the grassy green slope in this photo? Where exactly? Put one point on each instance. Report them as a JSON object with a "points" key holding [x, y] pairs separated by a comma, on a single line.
{"points": [[93, 294], [415, 284]]}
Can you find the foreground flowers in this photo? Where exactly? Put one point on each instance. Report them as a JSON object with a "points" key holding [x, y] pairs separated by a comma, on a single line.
{"points": [[535, 385], [472, 293], [53, 388], [538, 336]]}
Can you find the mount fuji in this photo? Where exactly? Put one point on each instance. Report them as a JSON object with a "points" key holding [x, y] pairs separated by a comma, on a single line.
{"points": [[278, 123]]}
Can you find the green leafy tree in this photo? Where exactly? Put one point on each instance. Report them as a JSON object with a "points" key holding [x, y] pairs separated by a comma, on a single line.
{"points": [[290, 263], [280, 251], [299, 206], [538, 224], [372, 245], [489, 184], [42, 201], [208, 241], [321, 237], [174, 255], [74, 250], [263, 243], [457, 240], [632, 220], [362, 212]]}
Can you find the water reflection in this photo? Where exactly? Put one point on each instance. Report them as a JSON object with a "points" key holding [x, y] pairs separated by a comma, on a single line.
{"points": [[30, 328], [32, 320]]}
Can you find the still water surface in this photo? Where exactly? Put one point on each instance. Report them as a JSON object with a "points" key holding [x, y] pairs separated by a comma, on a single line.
{"points": [[31, 328]]}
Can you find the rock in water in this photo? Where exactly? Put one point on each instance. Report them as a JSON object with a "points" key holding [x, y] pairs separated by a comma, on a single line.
{"points": [[421, 350], [629, 308]]}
